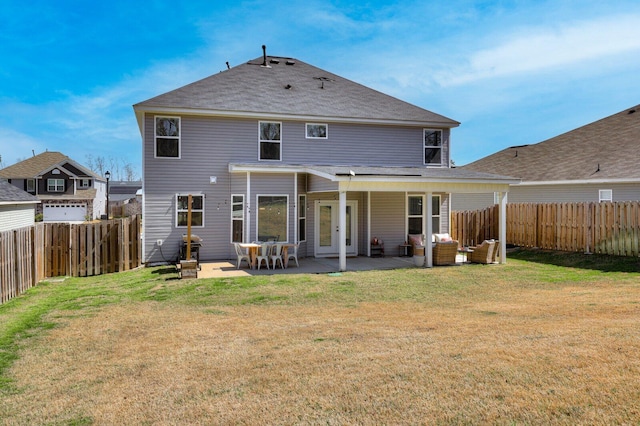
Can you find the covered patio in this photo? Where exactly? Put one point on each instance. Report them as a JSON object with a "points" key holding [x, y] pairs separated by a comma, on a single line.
{"points": [[338, 183]]}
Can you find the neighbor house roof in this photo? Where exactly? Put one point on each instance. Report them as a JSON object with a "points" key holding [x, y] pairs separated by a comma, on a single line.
{"points": [[287, 87], [10, 194], [34, 166], [605, 150]]}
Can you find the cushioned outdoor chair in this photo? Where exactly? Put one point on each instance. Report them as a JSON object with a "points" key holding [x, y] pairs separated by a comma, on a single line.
{"points": [[482, 253], [444, 253]]}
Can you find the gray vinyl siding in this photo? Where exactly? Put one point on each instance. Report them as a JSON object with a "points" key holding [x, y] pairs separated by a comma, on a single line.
{"points": [[209, 144], [388, 219], [16, 216]]}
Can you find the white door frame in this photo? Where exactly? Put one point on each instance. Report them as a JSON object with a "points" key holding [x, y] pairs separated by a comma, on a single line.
{"points": [[350, 250]]}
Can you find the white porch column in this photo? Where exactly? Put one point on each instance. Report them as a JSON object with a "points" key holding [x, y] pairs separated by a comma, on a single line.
{"points": [[502, 227], [295, 208], [247, 237], [368, 223], [428, 248], [342, 230]]}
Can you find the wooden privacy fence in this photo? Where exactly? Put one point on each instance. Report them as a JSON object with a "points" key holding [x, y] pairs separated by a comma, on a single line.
{"points": [[605, 228], [28, 255], [21, 260]]}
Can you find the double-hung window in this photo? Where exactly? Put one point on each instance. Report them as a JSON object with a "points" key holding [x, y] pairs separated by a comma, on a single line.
{"points": [[167, 137], [84, 183], [31, 185], [302, 218], [432, 147], [237, 218], [55, 185], [415, 214], [270, 140], [182, 210]]}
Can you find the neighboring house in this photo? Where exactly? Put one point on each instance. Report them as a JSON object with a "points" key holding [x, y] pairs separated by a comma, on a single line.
{"points": [[596, 162], [124, 198], [277, 149], [69, 192], [17, 207]]}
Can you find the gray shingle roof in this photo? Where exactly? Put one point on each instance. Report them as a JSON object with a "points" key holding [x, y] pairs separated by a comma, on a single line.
{"points": [[11, 194], [605, 149], [34, 166], [297, 89]]}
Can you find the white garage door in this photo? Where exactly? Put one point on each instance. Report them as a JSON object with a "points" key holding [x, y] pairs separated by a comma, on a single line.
{"points": [[71, 212]]}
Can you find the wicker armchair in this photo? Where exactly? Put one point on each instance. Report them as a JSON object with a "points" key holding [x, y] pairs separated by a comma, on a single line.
{"points": [[444, 253], [482, 253]]}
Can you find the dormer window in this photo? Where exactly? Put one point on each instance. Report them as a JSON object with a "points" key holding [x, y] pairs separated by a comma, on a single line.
{"points": [[432, 147], [84, 183]]}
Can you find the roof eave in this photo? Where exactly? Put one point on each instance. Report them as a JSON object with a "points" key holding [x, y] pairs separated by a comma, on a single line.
{"points": [[140, 110]]}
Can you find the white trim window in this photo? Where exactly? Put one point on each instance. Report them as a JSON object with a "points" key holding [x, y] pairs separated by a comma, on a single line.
{"points": [[302, 218], [84, 183], [55, 185], [182, 210], [273, 219], [270, 140], [237, 218], [435, 214], [415, 214], [432, 144], [167, 137], [605, 195], [31, 185], [317, 131]]}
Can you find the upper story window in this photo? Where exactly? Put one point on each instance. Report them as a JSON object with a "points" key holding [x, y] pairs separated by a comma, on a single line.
{"points": [[31, 185], [605, 195], [182, 210], [432, 147], [317, 131], [167, 137], [55, 185], [84, 183], [270, 140]]}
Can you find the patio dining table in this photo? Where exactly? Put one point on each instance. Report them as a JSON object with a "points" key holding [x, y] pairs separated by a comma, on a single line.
{"points": [[252, 249]]}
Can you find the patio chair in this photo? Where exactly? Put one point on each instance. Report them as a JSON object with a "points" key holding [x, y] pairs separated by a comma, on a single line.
{"points": [[276, 255], [242, 255], [416, 241], [444, 253], [293, 253], [482, 253], [263, 254]]}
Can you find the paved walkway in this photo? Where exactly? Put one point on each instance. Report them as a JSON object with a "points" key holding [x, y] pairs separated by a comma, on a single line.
{"points": [[309, 265]]}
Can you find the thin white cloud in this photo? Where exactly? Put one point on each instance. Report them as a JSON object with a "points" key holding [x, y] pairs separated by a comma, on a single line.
{"points": [[541, 49]]}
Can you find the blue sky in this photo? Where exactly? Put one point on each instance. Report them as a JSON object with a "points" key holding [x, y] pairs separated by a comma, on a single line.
{"points": [[512, 72]]}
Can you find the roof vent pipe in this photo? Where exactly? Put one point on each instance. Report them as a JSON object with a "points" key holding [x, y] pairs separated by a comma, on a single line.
{"points": [[264, 55]]}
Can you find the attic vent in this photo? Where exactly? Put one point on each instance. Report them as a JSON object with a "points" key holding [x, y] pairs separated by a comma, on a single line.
{"points": [[275, 61], [290, 62]]}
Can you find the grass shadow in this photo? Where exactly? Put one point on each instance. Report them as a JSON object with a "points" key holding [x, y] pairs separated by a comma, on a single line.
{"points": [[166, 270], [600, 262]]}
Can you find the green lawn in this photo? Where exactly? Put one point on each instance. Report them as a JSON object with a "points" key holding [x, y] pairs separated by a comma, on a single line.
{"points": [[547, 338]]}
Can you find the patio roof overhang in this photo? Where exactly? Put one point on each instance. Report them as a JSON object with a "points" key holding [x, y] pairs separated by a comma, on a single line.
{"points": [[392, 179]]}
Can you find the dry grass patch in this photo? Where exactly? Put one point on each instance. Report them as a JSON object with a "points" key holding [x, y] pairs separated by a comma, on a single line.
{"points": [[513, 354]]}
